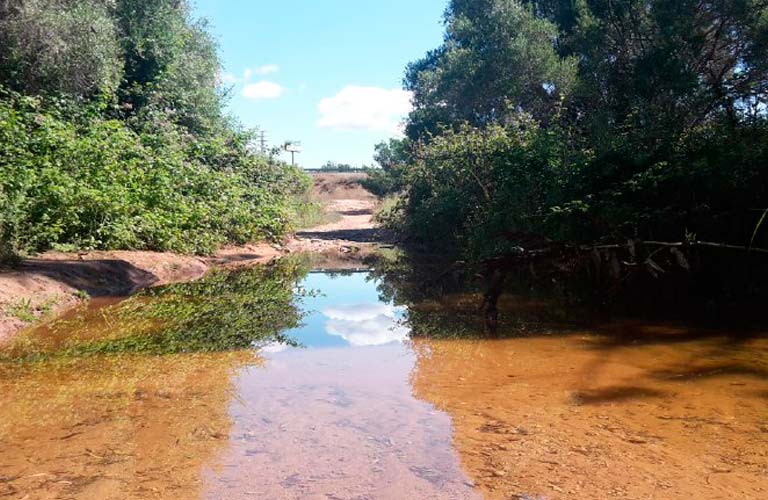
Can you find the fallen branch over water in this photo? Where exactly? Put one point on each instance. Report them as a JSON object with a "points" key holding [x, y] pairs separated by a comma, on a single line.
{"points": [[609, 266], [679, 244]]}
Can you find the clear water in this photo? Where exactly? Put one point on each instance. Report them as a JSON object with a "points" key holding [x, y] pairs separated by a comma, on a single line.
{"points": [[333, 418], [363, 411], [336, 418]]}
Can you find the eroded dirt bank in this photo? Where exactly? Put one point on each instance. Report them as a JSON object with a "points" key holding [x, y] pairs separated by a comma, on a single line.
{"points": [[55, 281]]}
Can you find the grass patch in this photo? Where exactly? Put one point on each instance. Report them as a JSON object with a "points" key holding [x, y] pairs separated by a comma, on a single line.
{"points": [[307, 212], [28, 312]]}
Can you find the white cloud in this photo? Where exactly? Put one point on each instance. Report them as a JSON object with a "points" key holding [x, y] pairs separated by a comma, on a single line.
{"points": [[274, 347], [365, 108], [366, 324], [267, 69], [247, 74], [263, 90]]}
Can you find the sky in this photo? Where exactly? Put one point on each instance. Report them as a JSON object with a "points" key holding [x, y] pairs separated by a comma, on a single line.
{"points": [[327, 73]]}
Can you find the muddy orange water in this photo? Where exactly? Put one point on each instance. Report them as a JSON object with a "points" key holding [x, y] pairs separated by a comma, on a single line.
{"points": [[362, 411]]}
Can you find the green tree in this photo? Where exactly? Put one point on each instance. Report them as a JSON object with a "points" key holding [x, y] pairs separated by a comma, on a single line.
{"points": [[497, 60], [641, 118], [59, 47]]}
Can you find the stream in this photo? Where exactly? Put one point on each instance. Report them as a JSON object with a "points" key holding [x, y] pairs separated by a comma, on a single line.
{"points": [[284, 382]]}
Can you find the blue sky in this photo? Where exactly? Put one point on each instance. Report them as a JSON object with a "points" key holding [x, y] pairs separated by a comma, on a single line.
{"points": [[325, 72]]}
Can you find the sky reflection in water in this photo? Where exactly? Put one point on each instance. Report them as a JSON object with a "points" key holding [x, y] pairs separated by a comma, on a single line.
{"points": [[336, 418], [347, 312]]}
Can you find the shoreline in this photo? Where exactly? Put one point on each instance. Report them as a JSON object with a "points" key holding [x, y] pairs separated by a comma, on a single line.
{"points": [[46, 286]]}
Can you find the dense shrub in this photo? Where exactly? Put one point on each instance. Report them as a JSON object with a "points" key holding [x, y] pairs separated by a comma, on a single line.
{"points": [[112, 134], [95, 183], [584, 122]]}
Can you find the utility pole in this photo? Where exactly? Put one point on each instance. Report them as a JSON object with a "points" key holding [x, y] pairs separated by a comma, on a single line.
{"points": [[292, 147], [263, 141]]}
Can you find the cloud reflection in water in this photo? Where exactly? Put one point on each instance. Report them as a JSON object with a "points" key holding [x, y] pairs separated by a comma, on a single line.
{"points": [[366, 324]]}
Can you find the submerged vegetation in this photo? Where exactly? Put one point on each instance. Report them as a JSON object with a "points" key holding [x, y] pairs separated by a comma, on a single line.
{"points": [[586, 122], [113, 135]]}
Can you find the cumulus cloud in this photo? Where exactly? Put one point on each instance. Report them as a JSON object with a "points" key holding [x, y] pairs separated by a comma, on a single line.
{"points": [[365, 108], [366, 324], [263, 90], [267, 69]]}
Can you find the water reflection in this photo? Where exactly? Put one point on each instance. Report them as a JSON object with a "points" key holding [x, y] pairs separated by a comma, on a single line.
{"points": [[337, 418], [366, 409], [336, 423], [347, 311], [114, 403]]}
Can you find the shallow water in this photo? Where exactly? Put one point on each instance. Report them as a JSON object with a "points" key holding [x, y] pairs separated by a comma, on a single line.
{"points": [[333, 418], [361, 410]]}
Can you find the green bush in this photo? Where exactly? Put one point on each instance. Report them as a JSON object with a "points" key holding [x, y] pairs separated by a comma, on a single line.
{"points": [[113, 135], [94, 183]]}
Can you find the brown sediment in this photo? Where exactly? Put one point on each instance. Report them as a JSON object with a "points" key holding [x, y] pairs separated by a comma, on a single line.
{"points": [[323, 424], [132, 427], [576, 415]]}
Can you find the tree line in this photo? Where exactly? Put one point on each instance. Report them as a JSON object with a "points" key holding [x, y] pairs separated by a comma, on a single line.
{"points": [[113, 134], [587, 122]]}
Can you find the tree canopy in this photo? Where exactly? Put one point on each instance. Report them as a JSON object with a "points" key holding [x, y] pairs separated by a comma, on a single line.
{"points": [[587, 120]]}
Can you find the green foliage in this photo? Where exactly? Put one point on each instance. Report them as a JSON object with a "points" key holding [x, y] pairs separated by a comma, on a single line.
{"points": [[101, 185], [59, 47], [170, 66], [27, 312], [498, 58], [112, 134], [469, 187], [584, 121], [392, 158], [339, 167]]}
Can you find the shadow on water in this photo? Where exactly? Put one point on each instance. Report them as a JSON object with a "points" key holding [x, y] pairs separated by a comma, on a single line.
{"points": [[562, 391]]}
